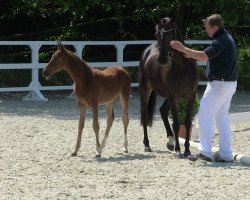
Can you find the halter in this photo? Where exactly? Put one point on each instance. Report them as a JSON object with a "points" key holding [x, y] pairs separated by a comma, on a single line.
{"points": [[167, 50]]}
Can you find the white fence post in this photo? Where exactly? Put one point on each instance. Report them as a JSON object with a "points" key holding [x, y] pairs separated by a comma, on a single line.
{"points": [[35, 94], [119, 53]]}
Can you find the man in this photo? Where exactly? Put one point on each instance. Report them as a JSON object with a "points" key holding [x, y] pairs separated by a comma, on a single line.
{"points": [[222, 82]]}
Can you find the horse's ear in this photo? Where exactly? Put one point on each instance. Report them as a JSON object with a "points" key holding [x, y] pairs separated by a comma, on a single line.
{"points": [[173, 19], [157, 27], [59, 45]]}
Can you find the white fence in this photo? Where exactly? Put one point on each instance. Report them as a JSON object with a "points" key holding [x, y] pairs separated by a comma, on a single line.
{"points": [[35, 87]]}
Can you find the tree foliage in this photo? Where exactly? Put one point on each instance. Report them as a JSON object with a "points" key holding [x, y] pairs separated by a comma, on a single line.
{"points": [[109, 19]]}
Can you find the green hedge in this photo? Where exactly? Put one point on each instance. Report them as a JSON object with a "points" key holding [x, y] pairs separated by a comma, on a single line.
{"points": [[244, 68]]}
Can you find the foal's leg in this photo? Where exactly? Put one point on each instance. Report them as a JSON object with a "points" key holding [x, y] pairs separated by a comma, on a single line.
{"points": [[124, 99], [96, 128], [164, 110], [82, 110], [110, 119]]}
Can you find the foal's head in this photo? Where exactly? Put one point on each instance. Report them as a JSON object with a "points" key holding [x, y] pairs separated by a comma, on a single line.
{"points": [[57, 61], [165, 32]]}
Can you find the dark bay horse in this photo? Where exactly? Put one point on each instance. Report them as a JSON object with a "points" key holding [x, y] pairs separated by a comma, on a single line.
{"points": [[166, 72], [93, 87]]}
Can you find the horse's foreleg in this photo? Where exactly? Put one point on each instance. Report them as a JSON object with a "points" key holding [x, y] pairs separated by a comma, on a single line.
{"points": [[188, 124], [176, 124], [96, 128], [110, 119], [187, 144], [164, 110], [125, 119], [82, 110]]}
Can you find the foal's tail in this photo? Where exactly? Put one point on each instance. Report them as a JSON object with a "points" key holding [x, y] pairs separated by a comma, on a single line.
{"points": [[151, 108]]}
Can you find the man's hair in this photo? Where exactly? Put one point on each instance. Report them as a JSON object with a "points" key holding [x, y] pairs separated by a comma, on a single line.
{"points": [[215, 20]]}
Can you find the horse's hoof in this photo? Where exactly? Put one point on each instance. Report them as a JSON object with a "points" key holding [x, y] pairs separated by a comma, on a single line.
{"points": [[186, 154], [74, 154], [147, 149], [181, 156], [98, 156], [125, 151], [170, 147]]}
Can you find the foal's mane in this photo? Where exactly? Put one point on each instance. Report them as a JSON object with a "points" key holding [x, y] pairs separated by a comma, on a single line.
{"points": [[76, 58]]}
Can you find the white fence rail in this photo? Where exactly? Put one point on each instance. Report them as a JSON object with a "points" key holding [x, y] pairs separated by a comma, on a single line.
{"points": [[35, 87]]}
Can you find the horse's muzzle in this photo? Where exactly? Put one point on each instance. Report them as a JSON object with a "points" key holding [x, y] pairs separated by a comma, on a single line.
{"points": [[46, 73], [162, 60]]}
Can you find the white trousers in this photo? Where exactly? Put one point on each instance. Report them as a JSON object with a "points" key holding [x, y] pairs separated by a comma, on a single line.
{"points": [[215, 104]]}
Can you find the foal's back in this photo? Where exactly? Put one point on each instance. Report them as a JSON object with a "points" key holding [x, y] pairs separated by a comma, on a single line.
{"points": [[110, 83]]}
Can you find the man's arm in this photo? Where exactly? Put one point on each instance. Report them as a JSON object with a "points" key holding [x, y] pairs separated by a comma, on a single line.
{"points": [[197, 55]]}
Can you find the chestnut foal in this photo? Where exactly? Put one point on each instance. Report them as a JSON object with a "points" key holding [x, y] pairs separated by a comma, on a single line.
{"points": [[93, 87]]}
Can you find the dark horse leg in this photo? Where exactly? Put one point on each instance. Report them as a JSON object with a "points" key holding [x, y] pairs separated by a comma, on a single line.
{"points": [[164, 110], [176, 125], [188, 124], [147, 99]]}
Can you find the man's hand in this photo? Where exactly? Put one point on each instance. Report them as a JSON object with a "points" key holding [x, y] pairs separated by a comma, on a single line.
{"points": [[189, 53], [177, 45]]}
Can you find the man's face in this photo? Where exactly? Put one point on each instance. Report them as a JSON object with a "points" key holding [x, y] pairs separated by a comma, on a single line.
{"points": [[211, 30]]}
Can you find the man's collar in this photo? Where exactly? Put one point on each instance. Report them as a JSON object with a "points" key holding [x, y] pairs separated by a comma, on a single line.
{"points": [[218, 33]]}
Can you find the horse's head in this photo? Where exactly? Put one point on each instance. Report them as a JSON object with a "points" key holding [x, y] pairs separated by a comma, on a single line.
{"points": [[165, 32], [56, 62]]}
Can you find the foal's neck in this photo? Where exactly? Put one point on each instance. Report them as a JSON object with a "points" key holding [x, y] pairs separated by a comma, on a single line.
{"points": [[78, 69]]}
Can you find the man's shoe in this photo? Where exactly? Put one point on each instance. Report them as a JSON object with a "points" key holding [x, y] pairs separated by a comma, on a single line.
{"points": [[199, 156], [218, 159]]}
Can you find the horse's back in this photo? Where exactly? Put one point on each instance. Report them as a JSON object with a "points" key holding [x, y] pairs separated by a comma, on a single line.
{"points": [[117, 73], [111, 82]]}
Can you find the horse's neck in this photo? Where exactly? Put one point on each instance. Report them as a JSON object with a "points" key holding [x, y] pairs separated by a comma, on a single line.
{"points": [[178, 34], [78, 69]]}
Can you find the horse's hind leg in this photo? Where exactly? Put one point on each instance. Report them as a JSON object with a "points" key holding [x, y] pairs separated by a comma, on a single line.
{"points": [[144, 99], [124, 99], [110, 119], [82, 110], [164, 110]]}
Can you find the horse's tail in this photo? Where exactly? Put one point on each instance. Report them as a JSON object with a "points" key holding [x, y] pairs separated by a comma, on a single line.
{"points": [[151, 108]]}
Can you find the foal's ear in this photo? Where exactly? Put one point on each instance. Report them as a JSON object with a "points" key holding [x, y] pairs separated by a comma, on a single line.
{"points": [[59, 45]]}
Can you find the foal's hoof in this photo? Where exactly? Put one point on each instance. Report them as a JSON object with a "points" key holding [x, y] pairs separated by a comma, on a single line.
{"points": [[74, 154], [170, 147], [98, 156], [125, 151], [147, 149]]}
